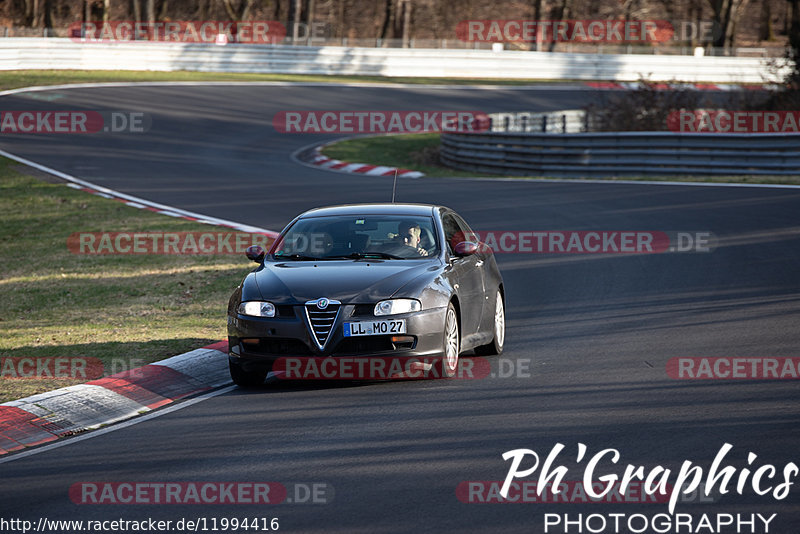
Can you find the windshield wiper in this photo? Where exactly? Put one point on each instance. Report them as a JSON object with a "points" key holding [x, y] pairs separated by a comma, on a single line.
{"points": [[297, 257], [365, 255]]}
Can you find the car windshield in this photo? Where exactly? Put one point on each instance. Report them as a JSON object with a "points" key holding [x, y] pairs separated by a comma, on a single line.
{"points": [[358, 237]]}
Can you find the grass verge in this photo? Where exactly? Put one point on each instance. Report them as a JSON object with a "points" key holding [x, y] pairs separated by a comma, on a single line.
{"points": [[125, 310], [420, 152], [28, 78]]}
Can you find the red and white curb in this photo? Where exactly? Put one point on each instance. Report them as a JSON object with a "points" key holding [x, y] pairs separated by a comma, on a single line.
{"points": [[63, 412], [172, 212], [136, 202], [627, 86], [362, 168]]}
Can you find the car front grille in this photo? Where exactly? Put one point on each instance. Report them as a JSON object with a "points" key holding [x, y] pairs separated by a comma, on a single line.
{"points": [[322, 321]]}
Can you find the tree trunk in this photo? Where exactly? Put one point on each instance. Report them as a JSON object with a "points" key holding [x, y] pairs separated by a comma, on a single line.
{"points": [[137, 10], [309, 13], [787, 17], [537, 16], [388, 19], [794, 28], [718, 8], [340, 20], [726, 15], [558, 13], [765, 32], [406, 6], [47, 14], [295, 17], [27, 16]]}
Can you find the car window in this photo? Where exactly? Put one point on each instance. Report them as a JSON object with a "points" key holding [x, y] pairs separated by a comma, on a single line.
{"points": [[468, 234], [454, 232], [332, 237]]}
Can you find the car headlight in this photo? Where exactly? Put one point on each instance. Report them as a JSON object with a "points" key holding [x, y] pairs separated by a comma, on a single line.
{"points": [[257, 309], [395, 306]]}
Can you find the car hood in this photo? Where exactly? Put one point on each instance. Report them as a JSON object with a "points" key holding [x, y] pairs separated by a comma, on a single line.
{"points": [[347, 281]]}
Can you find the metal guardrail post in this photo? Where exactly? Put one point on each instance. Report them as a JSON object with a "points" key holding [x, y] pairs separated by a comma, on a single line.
{"points": [[544, 123]]}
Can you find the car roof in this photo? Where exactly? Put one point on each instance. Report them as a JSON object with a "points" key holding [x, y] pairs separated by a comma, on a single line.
{"points": [[372, 209]]}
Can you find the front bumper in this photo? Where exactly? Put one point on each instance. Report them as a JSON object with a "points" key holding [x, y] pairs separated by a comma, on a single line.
{"points": [[256, 343]]}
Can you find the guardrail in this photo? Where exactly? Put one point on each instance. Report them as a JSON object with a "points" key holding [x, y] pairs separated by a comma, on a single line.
{"points": [[62, 53], [564, 121], [539, 151]]}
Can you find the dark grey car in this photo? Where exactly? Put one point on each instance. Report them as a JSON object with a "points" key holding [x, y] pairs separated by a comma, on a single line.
{"points": [[400, 281]]}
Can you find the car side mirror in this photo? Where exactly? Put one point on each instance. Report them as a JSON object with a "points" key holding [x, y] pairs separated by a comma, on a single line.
{"points": [[255, 253], [466, 248]]}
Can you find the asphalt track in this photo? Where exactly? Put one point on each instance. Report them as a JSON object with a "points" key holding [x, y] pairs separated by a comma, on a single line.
{"points": [[596, 331]]}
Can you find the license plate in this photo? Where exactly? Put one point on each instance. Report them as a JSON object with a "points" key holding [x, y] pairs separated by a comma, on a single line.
{"points": [[374, 328]]}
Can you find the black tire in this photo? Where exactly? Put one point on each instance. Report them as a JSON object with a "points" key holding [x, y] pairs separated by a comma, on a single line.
{"points": [[244, 378], [451, 344], [498, 330]]}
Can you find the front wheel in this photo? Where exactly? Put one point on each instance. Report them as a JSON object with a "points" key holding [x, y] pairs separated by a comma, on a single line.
{"points": [[451, 343], [496, 346], [244, 378]]}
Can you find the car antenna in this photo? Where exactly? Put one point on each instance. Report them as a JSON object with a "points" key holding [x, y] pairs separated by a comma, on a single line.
{"points": [[394, 185]]}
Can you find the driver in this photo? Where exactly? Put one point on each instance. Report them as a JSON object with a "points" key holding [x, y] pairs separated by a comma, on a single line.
{"points": [[409, 233]]}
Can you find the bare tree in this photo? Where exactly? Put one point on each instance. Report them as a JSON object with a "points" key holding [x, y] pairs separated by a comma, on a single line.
{"points": [[406, 26], [558, 12], [136, 6], [765, 32], [726, 14], [388, 19], [239, 11], [47, 14], [397, 20], [794, 41], [31, 12], [294, 17], [340, 23], [538, 7]]}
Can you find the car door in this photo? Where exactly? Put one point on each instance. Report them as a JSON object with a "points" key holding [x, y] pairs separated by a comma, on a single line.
{"points": [[467, 272]]}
